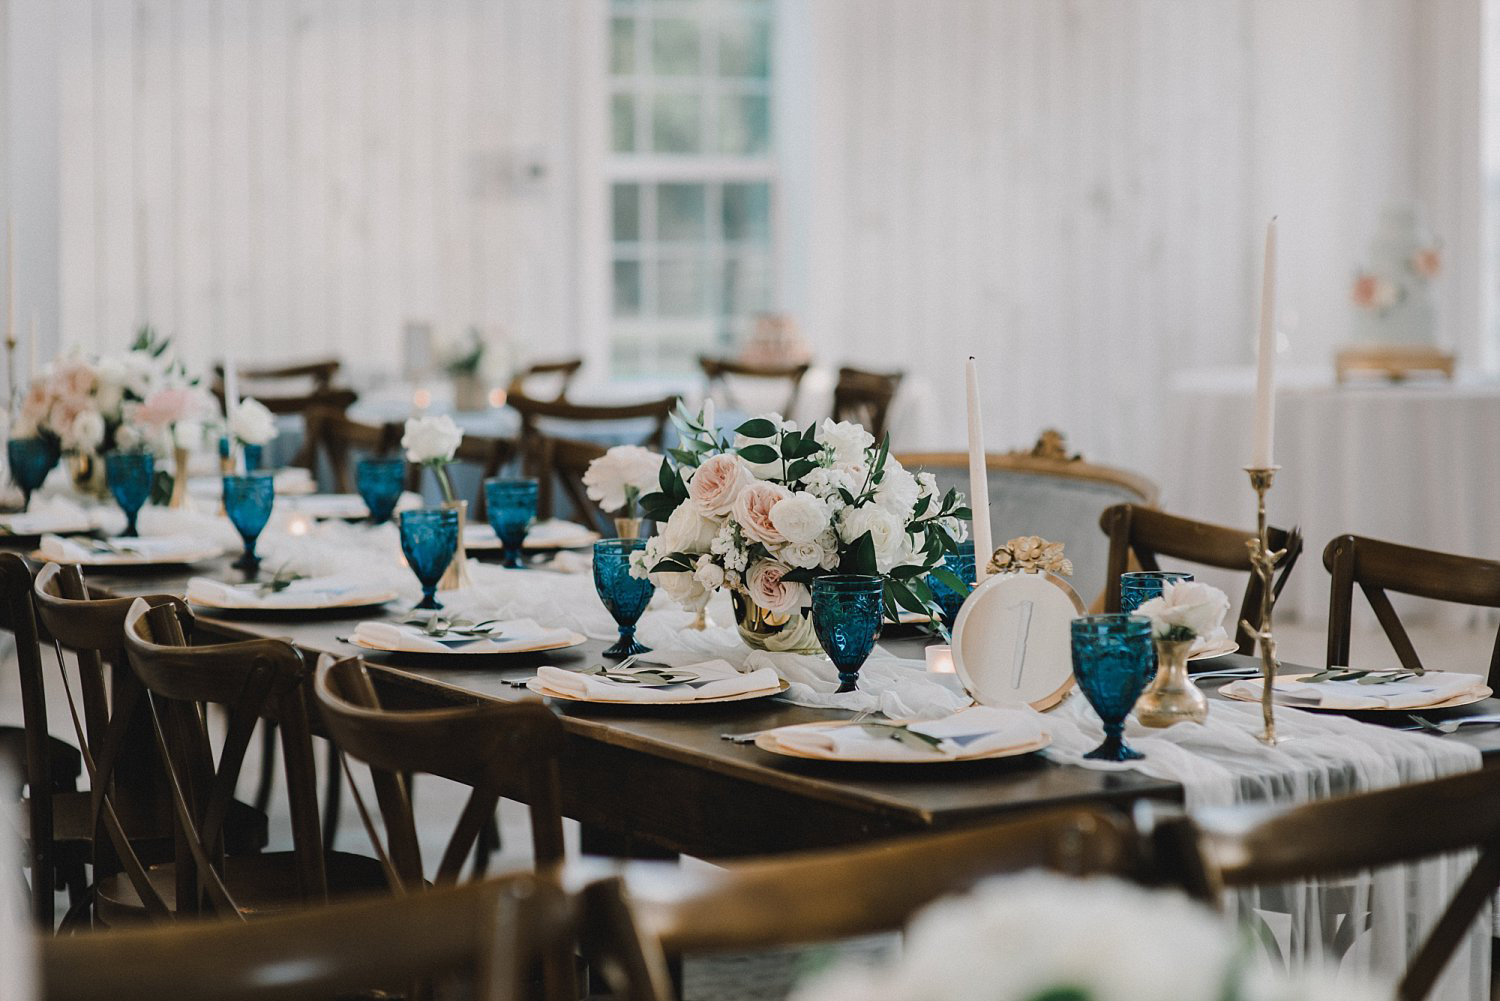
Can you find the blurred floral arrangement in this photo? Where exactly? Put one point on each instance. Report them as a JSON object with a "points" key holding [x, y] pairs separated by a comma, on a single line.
{"points": [[466, 361], [1392, 290], [765, 513], [619, 478]]}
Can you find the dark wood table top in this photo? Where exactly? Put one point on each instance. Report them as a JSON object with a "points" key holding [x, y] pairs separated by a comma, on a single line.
{"points": [[666, 774]]}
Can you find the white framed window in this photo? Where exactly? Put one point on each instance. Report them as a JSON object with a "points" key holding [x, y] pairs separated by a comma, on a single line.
{"points": [[692, 179]]}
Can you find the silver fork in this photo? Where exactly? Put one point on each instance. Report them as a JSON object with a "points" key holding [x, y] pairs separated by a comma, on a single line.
{"points": [[1452, 725], [749, 738]]}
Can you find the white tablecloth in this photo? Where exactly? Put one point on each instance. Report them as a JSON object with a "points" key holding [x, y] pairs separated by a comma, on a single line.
{"points": [[1415, 463]]}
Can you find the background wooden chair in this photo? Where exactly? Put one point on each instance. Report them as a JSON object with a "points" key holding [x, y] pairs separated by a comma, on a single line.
{"points": [[493, 749], [292, 390], [250, 680], [1254, 846], [865, 398], [123, 815], [538, 380], [1044, 491], [1143, 534], [552, 450], [817, 897], [721, 373], [486, 937], [335, 443], [1378, 567]]}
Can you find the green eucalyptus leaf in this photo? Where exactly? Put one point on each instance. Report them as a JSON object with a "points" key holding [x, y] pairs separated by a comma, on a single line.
{"points": [[800, 468], [758, 453], [758, 427]]}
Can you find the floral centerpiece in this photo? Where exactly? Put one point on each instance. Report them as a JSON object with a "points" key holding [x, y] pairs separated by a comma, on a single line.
{"points": [[617, 481], [765, 513], [1183, 613]]}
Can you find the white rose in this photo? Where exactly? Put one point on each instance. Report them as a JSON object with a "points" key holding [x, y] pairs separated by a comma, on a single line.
{"points": [[848, 442], [957, 528], [622, 469], [800, 517], [128, 438], [807, 555], [429, 439], [1185, 607], [769, 591], [709, 573], [892, 546], [687, 531], [898, 490], [187, 434], [252, 423], [682, 587], [86, 433], [717, 484], [928, 484]]}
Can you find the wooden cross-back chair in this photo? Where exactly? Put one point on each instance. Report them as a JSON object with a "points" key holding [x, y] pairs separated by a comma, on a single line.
{"points": [[310, 385], [250, 680], [563, 371], [719, 373], [122, 816], [485, 936], [1145, 534], [1378, 567], [493, 749], [651, 910], [333, 437], [1232, 847], [865, 398], [559, 460], [488, 454]]}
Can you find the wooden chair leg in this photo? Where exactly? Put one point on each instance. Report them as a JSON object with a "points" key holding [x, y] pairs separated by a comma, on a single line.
{"points": [[267, 765], [333, 795], [486, 845]]}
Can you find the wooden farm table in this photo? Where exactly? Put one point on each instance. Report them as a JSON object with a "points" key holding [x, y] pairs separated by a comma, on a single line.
{"points": [[663, 778]]}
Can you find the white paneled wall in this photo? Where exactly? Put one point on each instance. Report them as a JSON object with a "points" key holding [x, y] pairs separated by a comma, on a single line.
{"points": [[305, 176]]}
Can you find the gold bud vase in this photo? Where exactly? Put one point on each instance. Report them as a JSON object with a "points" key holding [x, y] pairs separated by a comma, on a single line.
{"points": [[180, 459], [1171, 697], [628, 528], [457, 574]]}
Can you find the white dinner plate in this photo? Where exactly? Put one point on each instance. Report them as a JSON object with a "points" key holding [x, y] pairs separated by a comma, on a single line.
{"points": [[535, 685], [768, 742], [573, 639], [311, 602]]}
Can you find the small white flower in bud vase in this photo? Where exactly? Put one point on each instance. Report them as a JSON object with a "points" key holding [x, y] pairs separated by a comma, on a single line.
{"points": [[432, 441], [619, 478], [252, 423]]}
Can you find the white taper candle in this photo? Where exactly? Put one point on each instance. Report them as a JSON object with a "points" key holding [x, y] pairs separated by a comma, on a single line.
{"points": [[1265, 359], [979, 479]]}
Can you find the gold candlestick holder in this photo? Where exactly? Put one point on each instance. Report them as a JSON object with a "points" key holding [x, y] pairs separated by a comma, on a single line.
{"points": [[1263, 563]]}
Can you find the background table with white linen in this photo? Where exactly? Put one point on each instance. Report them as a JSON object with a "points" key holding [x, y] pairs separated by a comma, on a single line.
{"points": [[1414, 463]]}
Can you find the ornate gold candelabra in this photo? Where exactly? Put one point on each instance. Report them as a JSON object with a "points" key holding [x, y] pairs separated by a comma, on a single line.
{"points": [[1263, 562]]}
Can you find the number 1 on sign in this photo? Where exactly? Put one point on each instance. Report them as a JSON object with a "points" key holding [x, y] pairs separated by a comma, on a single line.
{"points": [[1022, 611]]}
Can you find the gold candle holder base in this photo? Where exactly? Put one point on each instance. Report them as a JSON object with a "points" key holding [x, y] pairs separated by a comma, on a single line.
{"points": [[1263, 564]]}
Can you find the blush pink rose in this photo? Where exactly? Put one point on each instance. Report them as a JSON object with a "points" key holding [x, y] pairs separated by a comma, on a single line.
{"points": [[718, 483], [752, 509], [768, 590], [168, 406]]}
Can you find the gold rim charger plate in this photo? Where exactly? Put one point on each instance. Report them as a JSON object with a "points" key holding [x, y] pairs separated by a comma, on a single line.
{"points": [[1467, 699], [368, 599], [768, 742], [535, 686], [574, 639], [128, 559]]}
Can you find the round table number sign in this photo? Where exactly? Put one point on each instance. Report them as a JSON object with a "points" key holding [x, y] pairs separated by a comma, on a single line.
{"points": [[1011, 641]]}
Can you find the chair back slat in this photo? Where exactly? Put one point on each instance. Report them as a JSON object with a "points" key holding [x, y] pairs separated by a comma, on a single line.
{"points": [[1379, 567], [720, 373], [334, 438], [1144, 534], [563, 371], [865, 398]]}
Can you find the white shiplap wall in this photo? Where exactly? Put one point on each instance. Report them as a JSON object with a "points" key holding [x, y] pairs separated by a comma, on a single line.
{"points": [[304, 176]]}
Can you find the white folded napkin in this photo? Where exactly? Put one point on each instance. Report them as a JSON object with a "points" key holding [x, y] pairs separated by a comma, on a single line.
{"points": [[967, 733], [161, 549], [341, 505], [308, 592], [1431, 689], [510, 636], [554, 531], [54, 514], [716, 679]]}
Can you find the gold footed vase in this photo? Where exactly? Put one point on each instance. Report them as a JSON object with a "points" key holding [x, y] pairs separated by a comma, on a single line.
{"points": [[763, 630], [88, 474], [1171, 697], [628, 528], [457, 574], [180, 459]]}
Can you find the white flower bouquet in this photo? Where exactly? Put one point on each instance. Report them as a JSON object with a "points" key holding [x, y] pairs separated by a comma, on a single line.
{"points": [[252, 422], [619, 478], [433, 441], [766, 513]]}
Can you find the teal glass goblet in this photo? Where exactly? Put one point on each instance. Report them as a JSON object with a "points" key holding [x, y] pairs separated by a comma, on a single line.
{"points": [[1140, 587], [129, 476], [253, 454], [510, 506], [380, 482], [429, 538], [31, 459], [624, 596], [1113, 660], [846, 612], [961, 564], [247, 501]]}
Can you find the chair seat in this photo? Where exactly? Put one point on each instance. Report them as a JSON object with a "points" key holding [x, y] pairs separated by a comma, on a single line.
{"points": [[67, 763], [260, 885]]}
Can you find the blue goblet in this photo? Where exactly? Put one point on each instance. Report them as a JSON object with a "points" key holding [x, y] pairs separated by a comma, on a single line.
{"points": [[129, 476], [247, 501], [948, 600], [380, 482], [846, 613], [253, 455], [511, 508], [31, 459], [1113, 659], [624, 596], [1138, 588], [429, 538]]}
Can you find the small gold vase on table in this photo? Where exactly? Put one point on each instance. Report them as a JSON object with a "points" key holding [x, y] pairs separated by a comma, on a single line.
{"points": [[1171, 697], [457, 574]]}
